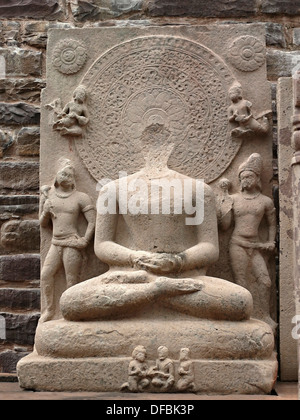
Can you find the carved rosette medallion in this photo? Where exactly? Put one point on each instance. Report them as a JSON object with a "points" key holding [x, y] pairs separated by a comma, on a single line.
{"points": [[247, 53], [69, 56], [165, 80]]}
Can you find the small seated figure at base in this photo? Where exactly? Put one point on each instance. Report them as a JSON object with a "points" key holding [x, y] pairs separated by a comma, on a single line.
{"points": [[163, 374], [137, 371], [157, 258], [186, 381]]}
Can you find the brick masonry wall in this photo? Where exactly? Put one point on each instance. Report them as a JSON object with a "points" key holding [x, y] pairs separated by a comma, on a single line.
{"points": [[23, 39]]}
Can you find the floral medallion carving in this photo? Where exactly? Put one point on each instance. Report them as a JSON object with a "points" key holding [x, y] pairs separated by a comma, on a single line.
{"points": [[165, 80], [247, 53], [69, 56]]}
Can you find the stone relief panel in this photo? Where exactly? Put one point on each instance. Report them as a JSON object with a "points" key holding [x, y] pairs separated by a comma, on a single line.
{"points": [[155, 104]]}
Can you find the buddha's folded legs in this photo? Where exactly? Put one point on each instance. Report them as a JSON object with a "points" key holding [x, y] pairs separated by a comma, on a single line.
{"points": [[218, 299], [203, 297], [96, 299]]}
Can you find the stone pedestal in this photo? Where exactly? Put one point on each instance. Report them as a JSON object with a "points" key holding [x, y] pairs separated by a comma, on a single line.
{"points": [[107, 374], [228, 357]]}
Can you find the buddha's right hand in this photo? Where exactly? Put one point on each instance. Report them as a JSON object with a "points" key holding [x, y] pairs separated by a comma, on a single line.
{"points": [[139, 259]]}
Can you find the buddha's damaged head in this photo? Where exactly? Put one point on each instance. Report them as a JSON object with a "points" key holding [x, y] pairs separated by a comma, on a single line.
{"points": [[156, 139]]}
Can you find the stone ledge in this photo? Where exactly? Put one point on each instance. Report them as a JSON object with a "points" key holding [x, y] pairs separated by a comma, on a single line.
{"points": [[281, 63], [18, 205], [20, 235], [96, 10], [18, 200], [19, 176], [19, 114], [20, 328], [21, 63], [28, 90], [20, 299], [19, 268], [287, 7], [203, 8], [36, 9]]}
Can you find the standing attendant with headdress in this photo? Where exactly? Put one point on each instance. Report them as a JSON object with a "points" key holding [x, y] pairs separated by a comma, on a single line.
{"points": [[62, 205], [249, 207]]}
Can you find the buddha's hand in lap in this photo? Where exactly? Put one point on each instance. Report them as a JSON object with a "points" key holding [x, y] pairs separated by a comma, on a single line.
{"points": [[157, 263]]}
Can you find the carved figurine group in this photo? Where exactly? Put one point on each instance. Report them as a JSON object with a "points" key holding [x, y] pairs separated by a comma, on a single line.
{"points": [[162, 375]]}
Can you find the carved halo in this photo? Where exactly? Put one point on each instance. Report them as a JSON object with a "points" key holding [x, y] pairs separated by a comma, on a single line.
{"points": [[165, 80]]}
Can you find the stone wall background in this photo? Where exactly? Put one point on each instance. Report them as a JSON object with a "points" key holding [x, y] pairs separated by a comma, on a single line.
{"points": [[23, 38]]}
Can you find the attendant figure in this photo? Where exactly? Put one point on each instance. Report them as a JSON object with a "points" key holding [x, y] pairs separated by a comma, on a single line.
{"points": [[74, 117], [240, 112], [61, 206], [247, 250]]}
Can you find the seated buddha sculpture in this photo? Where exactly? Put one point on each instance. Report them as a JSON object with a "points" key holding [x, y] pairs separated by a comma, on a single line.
{"points": [[156, 257]]}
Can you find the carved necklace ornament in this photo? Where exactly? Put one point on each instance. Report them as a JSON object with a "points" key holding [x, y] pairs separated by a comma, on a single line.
{"points": [[64, 195], [69, 56], [158, 80], [251, 197], [247, 53]]}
